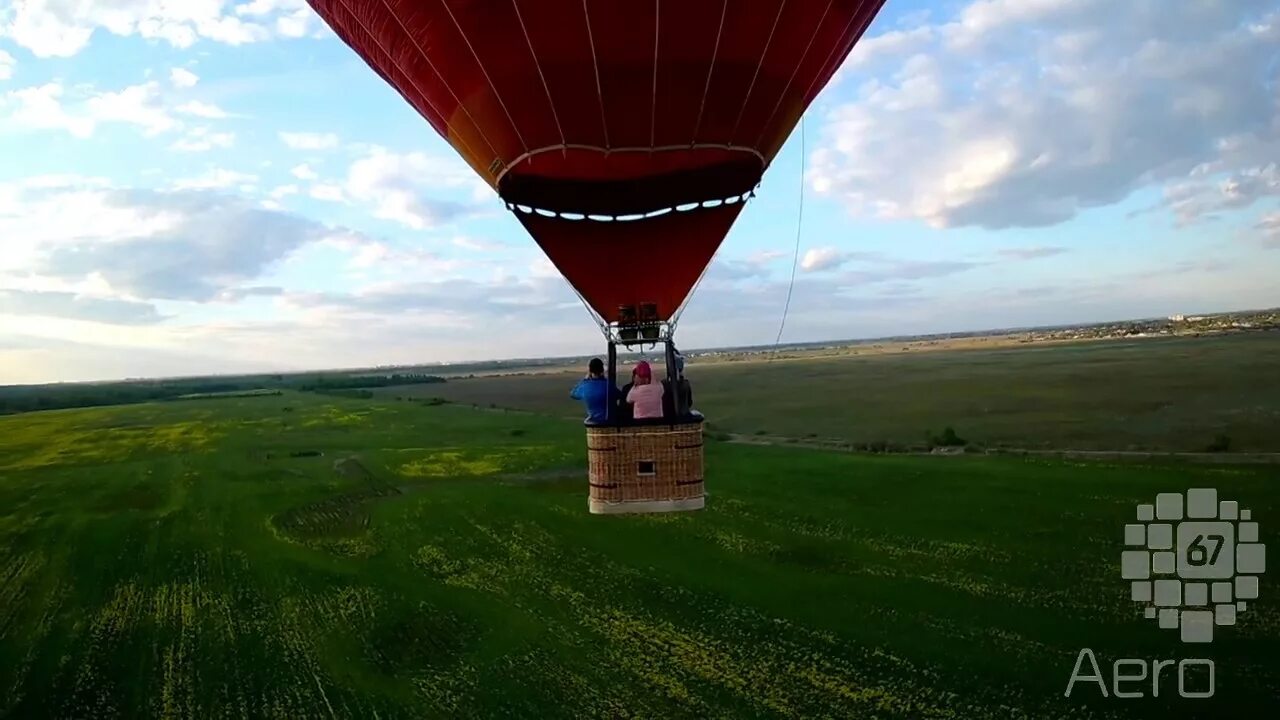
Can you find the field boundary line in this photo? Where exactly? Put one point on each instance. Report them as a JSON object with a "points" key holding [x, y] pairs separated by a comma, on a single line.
{"points": [[1066, 453]]}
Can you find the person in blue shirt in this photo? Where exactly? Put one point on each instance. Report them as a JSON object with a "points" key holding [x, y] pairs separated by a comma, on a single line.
{"points": [[593, 391]]}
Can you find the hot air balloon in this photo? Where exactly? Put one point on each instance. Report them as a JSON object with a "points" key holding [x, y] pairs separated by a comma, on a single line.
{"points": [[615, 129]]}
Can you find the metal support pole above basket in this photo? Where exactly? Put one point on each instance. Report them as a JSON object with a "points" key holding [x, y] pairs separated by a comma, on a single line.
{"points": [[652, 465]]}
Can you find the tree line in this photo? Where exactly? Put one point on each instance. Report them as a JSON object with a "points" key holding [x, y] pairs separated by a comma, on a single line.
{"points": [[29, 398]]}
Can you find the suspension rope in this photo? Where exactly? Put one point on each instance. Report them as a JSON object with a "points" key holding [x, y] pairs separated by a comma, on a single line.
{"points": [[408, 76], [746, 100], [795, 259], [707, 88], [422, 51], [843, 47], [483, 71], [675, 317], [595, 63], [600, 321], [783, 95], [653, 106], [547, 88]]}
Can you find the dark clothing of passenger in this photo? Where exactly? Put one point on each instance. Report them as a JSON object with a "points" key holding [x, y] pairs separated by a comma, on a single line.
{"points": [[625, 408], [669, 397]]}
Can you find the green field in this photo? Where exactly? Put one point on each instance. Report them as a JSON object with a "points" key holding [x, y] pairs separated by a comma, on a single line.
{"points": [[1154, 394], [299, 556]]}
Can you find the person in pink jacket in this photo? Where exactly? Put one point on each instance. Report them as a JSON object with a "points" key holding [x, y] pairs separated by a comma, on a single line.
{"points": [[645, 395]]}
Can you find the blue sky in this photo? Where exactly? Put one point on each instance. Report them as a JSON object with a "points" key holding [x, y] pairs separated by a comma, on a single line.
{"points": [[218, 186]]}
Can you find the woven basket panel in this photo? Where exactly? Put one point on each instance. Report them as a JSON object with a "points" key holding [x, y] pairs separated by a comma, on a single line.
{"points": [[633, 464]]}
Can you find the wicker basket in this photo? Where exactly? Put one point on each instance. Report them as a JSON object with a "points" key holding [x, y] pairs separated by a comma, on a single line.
{"points": [[645, 468]]}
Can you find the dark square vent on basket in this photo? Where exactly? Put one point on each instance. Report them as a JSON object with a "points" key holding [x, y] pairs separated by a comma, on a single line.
{"points": [[646, 467]]}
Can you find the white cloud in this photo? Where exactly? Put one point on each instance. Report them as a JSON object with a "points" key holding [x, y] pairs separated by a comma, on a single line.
{"points": [[52, 107], [764, 257], [98, 261], [139, 245], [328, 193], [258, 8], [6, 65], [479, 245], [236, 294], [1026, 112], [183, 78], [460, 304], [405, 188], [873, 267], [304, 172], [53, 182], [542, 268], [299, 23], [892, 44], [139, 105], [40, 213], [305, 332], [1270, 227], [42, 31], [216, 179], [233, 31], [1203, 194], [40, 108], [49, 303], [294, 18], [58, 28], [203, 110], [283, 191], [202, 139], [309, 140], [822, 258], [39, 352], [1031, 253], [414, 262], [979, 22]]}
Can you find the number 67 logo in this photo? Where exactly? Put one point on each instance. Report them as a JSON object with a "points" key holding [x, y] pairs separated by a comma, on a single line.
{"points": [[1193, 561], [1199, 556]]}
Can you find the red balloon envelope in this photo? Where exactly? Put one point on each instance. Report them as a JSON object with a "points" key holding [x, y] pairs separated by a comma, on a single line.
{"points": [[615, 129]]}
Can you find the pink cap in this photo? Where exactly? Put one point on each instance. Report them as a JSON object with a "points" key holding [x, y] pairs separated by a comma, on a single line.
{"points": [[642, 369]]}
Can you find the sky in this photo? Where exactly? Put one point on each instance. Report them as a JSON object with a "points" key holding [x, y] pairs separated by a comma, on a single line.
{"points": [[222, 186]]}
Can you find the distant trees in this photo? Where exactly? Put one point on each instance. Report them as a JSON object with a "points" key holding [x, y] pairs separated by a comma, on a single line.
{"points": [[349, 382], [357, 393], [948, 438], [29, 398], [17, 399]]}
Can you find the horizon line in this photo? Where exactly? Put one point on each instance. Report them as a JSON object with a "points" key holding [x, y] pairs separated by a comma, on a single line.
{"points": [[566, 358]]}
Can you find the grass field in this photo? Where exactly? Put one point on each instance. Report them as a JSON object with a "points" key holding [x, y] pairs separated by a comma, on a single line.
{"points": [[297, 556], [1151, 394]]}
